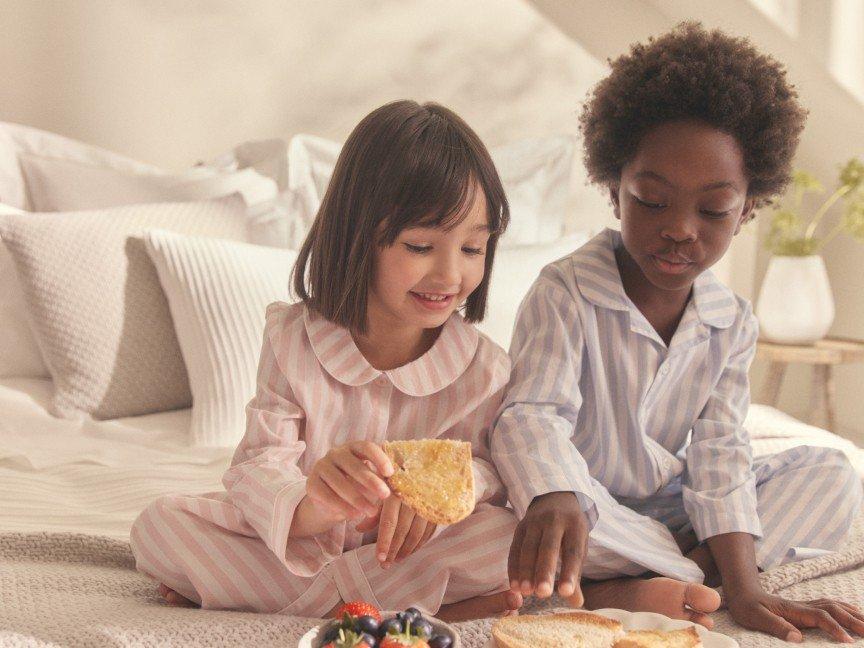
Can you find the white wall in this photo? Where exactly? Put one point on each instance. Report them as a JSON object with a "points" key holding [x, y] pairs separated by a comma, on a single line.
{"points": [[172, 82]]}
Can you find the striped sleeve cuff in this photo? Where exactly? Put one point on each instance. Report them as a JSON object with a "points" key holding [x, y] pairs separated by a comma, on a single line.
{"points": [[714, 514], [268, 504], [524, 493], [302, 556], [487, 484]]}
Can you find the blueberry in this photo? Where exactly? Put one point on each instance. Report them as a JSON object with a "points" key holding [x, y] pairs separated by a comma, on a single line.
{"points": [[367, 624], [422, 628], [440, 641], [390, 626], [417, 614], [371, 641]]}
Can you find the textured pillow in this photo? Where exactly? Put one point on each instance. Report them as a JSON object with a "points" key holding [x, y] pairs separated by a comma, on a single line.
{"points": [[218, 292], [98, 311], [515, 270], [537, 175], [19, 354]]}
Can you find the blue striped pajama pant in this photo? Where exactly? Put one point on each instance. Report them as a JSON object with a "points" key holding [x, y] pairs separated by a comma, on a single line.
{"points": [[807, 498]]}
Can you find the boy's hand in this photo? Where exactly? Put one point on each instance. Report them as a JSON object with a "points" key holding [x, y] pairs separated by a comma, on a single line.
{"points": [[782, 618], [554, 526], [347, 480], [401, 531]]}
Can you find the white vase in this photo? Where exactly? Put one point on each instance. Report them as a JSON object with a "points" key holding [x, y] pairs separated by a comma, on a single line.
{"points": [[795, 303]]}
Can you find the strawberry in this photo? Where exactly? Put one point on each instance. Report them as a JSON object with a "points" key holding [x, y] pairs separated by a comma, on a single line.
{"points": [[404, 639], [358, 609], [348, 639]]}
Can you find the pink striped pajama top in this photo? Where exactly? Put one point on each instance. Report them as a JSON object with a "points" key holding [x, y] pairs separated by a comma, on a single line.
{"points": [[317, 391]]}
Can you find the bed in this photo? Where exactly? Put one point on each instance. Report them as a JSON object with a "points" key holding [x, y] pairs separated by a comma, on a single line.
{"points": [[69, 492], [119, 279]]}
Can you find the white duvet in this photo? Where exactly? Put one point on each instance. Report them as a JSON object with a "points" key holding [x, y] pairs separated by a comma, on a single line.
{"points": [[95, 476], [91, 476]]}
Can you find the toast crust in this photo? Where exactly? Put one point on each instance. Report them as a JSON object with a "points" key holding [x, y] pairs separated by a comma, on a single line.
{"points": [[504, 638], [682, 638], [434, 477]]}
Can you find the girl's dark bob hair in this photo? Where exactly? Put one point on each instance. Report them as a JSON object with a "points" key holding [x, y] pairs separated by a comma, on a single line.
{"points": [[404, 165]]}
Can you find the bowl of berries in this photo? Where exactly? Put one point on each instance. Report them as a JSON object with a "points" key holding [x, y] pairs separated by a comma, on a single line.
{"points": [[361, 625]]}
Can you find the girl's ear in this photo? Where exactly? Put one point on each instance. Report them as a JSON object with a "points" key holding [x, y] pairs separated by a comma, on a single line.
{"points": [[748, 213], [616, 204]]}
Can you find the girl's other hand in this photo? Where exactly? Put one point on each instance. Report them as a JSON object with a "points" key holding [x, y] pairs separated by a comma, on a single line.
{"points": [[348, 479], [401, 531], [783, 618]]}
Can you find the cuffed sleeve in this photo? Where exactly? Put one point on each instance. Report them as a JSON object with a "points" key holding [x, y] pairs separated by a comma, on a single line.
{"points": [[532, 443], [264, 480], [719, 487]]}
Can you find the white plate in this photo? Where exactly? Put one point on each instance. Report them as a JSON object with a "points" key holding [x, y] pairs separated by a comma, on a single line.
{"points": [[653, 621], [310, 639]]}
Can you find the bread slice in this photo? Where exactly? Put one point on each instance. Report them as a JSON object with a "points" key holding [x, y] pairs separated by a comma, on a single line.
{"points": [[683, 638], [434, 477], [564, 630]]}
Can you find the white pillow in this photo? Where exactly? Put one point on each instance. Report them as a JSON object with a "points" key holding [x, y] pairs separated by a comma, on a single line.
{"points": [[537, 180], [514, 272], [311, 161], [55, 184], [537, 175], [16, 139], [267, 157], [19, 354], [270, 222], [218, 292], [99, 314]]}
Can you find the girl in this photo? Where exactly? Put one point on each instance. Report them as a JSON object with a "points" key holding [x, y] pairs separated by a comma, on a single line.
{"points": [[374, 350], [629, 386]]}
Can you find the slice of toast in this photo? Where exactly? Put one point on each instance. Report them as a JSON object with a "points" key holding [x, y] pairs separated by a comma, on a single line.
{"points": [[434, 477], [563, 630], [683, 638]]}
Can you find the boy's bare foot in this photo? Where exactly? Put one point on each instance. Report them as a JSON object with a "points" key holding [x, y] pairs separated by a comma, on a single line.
{"points": [[676, 599], [175, 599], [480, 607]]}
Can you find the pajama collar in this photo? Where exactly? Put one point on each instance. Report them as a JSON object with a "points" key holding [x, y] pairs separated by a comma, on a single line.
{"points": [[712, 304], [436, 369]]}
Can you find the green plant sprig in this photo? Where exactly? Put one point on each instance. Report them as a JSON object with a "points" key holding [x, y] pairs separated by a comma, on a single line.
{"points": [[785, 237]]}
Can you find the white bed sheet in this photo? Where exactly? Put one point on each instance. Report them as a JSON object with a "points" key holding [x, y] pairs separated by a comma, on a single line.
{"points": [[96, 476], [92, 476]]}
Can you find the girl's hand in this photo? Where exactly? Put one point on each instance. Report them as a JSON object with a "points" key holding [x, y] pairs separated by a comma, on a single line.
{"points": [[783, 618], [401, 531], [347, 480]]}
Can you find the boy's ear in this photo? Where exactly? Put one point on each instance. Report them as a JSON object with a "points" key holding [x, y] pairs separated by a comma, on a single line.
{"points": [[748, 213], [616, 204]]}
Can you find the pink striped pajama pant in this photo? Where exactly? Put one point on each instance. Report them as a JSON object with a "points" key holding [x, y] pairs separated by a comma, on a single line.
{"points": [[201, 547]]}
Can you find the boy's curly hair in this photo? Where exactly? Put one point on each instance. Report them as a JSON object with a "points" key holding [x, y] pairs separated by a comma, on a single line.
{"points": [[692, 73]]}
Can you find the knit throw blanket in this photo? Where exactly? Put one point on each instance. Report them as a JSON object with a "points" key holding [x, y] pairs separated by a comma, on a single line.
{"points": [[60, 589]]}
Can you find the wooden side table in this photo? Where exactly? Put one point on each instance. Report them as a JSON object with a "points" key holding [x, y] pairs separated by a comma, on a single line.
{"points": [[822, 355]]}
